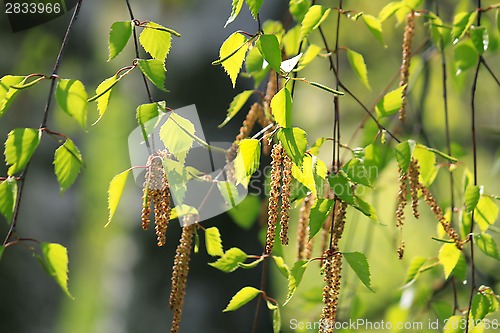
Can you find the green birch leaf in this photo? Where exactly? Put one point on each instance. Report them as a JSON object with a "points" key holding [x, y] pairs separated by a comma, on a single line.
{"points": [[390, 103], [232, 54], [281, 107], [67, 164], [299, 8], [485, 213], [341, 187], [319, 213], [115, 192], [375, 26], [294, 141], [156, 41], [291, 41], [427, 164], [254, 6], [465, 56], [404, 153], [55, 261], [252, 264], [453, 325], [154, 71], [236, 104], [103, 101], [312, 52], [8, 198], [480, 307], [366, 208], [230, 260], [305, 175], [146, 112], [182, 210], [461, 24], [254, 61], [72, 98], [247, 161], [282, 266], [389, 10], [269, 47], [479, 38], [276, 317], [229, 192], [313, 19], [7, 93], [295, 278], [20, 145], [177, 134], [460, 270], [472, 196], [356, 171], [242, 297], [448, 257], [213, 242], [414, 269], [359, 265], [118, 37], [487, 245], [359, 66], [235, 10]]}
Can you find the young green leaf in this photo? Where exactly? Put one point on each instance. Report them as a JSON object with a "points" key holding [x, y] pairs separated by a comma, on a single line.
{"points": [[104, 88], [246, 212], [299, 8], [453, 325], [389, 10], [7, 93], [230, 260], [282, 266], [269, 47], [67, 164], [276, 317], [448, 257], [8, 198], [295, 278], [460, 270], [487, 245], [485, 213], [154, 71], [356, 171], [480, 307], [461, 24], [20, 145], [181, 210], [312, 52], [375, 26], [281, 107], [427, 164], [115, 191], [146, 112], [254, 62], [465, 56], [242, 297], [235, 10], [177, 134], [156, 41], [359, 66], [232, 54], [236, 104], [252, 264], [294, 141], [366, 208], [404, 153], [479, 38], [72, 98], [359, 265], [313, 19], [118, 37], [472, 196], [319, 213], [247, 161], [341, 187], [414, 270], [305, 175], [325, 88], [291, 41], [254, 6], [213, 242], [55, 262], [229, 192], [390, 103]]}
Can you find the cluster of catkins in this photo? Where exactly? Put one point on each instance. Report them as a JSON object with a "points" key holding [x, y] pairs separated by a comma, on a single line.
{"points": [[406, 59], [281, 179], [409, 180]]}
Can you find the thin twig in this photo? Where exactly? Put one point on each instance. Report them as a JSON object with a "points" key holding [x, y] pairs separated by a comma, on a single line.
{"points": [[483, 62]]}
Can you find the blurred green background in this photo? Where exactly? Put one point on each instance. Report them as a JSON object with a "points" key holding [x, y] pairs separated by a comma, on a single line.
{"points": [[120, 279]]}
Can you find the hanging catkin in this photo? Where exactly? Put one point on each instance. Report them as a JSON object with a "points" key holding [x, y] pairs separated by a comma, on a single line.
{"points": [[413, 173], [403, 191], [271, 90], [303, 247], [285, 197], [406, 60], [274, 195]]}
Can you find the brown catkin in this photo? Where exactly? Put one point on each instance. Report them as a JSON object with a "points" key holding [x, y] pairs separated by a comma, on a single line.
{"points": [[146, 202], [401, 249], [403, 191], [180, 271], [249, 122], [271, 90], [406, 59], [285, 197], [274, 195], [303, 247], [438, 212], [413, 172]]}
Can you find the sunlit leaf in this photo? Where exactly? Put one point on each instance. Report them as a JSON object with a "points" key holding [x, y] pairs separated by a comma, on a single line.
{"points": [[252, 264], [281, 106], [375, 26], [7, 93], [294, 141], [235, 10], [254, 62], [55, 261], [404, 153], [449, 255], [341, 187], [479, 38], [358, 65], [115, 191], [427, 164], [154, 71], [118, 37], [485, 213], [359, 265], [480, 307], [229, 192], [213, 242], [247, 161], [230, 260], [389, 10], [20, 145], [236, 104], [312, 20], [291, 41], [472, 196], [465, 56], [254, 6], [414, 269], [299, 8], [232, 54], [390, 103], [8, 197], [366, 208], [453, 325], [356, 171], [242, 297], [461, 24], [269, 47], [318, 215], [295, 277], [103, 101], [72, 98], [311, 54], [67, 164], [282, 266], [155, 41], [177, 136], [487, 245]]}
